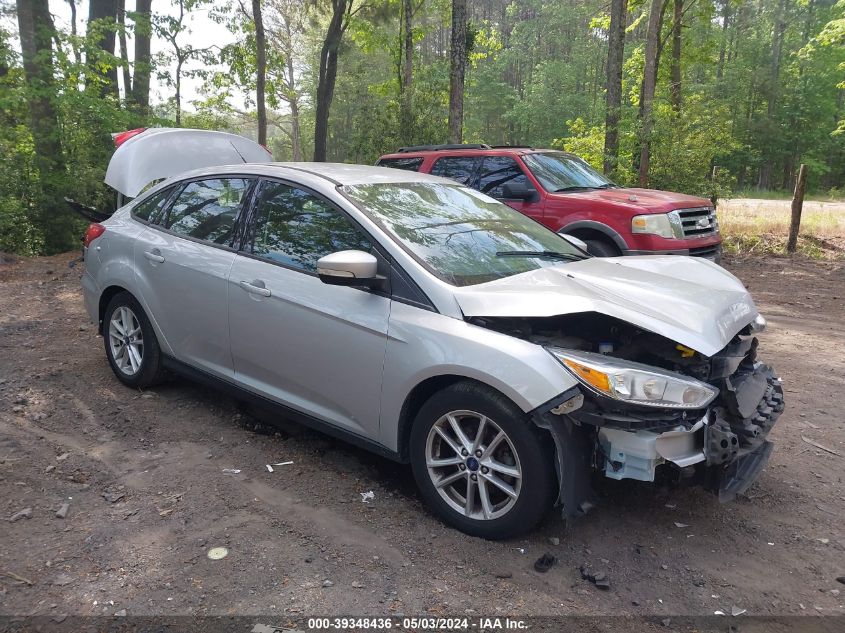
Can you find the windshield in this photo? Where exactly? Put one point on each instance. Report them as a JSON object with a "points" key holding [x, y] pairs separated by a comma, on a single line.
{"points": [[557, 171], [461, 235]]}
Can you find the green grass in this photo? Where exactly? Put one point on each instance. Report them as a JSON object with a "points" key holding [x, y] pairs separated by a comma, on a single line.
{"points": [[834, 195]]}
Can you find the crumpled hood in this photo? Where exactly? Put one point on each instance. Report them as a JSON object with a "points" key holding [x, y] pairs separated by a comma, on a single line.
{"points": [[688, 300]]}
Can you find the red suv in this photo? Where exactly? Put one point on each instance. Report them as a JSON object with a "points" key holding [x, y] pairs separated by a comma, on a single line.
{"points": [[567, 195]]}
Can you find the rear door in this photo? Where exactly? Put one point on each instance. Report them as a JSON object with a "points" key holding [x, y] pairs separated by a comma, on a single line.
{"points": [[182, 267], [316, 348], [498, 171], [462, 169]]}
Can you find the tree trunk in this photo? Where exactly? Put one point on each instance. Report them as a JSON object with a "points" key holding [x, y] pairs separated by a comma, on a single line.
{"points": [[178, 86], [779, 27], [77, 55], [613, 96], [106, 12], [327, 76], [405, 86], [649, 83], [260, 71], [141, 82], [457, 70], [295, 133], [675, 88], [723, 44], [124, 51]]}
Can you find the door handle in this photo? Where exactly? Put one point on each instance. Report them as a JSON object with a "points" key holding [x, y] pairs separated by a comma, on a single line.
{"points": [[254, 288], [153, 256]]}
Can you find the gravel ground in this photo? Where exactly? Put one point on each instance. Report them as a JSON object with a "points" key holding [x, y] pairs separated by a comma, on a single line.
{"points": [[144, 476]]}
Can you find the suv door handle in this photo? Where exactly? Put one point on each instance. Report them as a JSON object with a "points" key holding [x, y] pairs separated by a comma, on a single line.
{"points": [[253, 287], [154, 256]]}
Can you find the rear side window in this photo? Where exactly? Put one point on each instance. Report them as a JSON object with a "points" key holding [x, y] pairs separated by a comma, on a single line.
{"points": [[459, 168], [207, 209], [408, 164], [498, 171], [152, 209], [296, 228]]}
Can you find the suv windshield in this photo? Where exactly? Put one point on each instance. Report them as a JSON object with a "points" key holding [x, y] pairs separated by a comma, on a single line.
{"points": [[461, 235], [557, 171]]}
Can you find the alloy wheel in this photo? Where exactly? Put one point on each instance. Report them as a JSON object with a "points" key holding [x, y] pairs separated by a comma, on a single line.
{"points": [[126, 340], [473, 465]]}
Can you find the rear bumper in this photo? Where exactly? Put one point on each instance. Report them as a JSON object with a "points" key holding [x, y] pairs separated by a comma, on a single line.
{"points": [[91, 294]]}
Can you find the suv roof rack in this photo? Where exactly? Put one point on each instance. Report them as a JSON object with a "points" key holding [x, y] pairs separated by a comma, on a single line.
{"points": [[511, 147], [429, 148]]}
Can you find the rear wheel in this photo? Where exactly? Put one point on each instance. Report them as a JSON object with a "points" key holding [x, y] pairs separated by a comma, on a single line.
{"points": [[480, 463], [131, 344], [602, 248]]}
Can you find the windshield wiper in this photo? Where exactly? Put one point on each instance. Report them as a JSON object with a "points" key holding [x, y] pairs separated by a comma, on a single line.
{"points": [[548, 254], [574, 188]]}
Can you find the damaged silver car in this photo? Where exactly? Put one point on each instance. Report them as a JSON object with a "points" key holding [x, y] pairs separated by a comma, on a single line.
{"points": [[432, 324]]}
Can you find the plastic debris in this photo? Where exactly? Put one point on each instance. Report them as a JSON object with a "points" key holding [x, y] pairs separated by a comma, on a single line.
{"points": [[545, 563], [284, 463], [735, 610], [61, 513], [218, 553], [368, 496], [821, 446], [269, 468], [681, 525], [232, 471], [113, 497]]}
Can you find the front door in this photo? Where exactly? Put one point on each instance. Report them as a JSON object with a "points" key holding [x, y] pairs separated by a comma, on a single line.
{"points": [[314, 347], [498, 171]]}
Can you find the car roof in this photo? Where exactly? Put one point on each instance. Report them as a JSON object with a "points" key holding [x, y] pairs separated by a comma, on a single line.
{"points": [[338, 174], [411, 152]]}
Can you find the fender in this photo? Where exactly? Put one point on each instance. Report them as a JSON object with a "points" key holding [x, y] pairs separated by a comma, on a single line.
{"points": [[601, 228]]}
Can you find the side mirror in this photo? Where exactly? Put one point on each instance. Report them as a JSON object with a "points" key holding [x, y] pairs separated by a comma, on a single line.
{"points": [[576, 242], [348, 268], [518, 191]]}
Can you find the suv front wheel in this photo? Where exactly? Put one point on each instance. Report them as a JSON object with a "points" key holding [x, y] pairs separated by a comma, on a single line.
{"points": [[480, 463]]}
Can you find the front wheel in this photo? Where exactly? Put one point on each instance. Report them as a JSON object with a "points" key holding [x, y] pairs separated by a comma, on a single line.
{"points": [[480, 463], [601, 248]]}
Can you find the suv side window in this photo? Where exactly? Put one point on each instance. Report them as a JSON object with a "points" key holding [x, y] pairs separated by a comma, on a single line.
{"points": [[408, 164], [152, 209], [460, 168], [207, 209], [498, 171], [296, 228]]}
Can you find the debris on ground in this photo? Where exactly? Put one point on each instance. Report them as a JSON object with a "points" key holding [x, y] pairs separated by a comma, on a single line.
{"points": [[598, 578], [232, 471], [328, 583], [553, 540], [357, 585], [26, 513], [503, 573], [269, 468], [821, 446], [368, 496], [61, 513], [681, 525], [218, 553], [15, 577], [62, 457], [120, 614], [841, 579], [545, 563], [735, 610], [284, 463], [113, 497]]}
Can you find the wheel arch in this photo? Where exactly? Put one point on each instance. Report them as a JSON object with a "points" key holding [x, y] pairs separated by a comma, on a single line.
{"points": [[105, 297], [420, 394], [591, 230]]}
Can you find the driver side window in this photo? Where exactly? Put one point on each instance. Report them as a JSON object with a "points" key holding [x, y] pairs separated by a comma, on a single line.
{"points": [[296, 228]]}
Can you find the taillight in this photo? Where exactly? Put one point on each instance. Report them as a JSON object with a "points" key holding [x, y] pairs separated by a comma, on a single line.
{"points": [[121, 137], [92, 233]]}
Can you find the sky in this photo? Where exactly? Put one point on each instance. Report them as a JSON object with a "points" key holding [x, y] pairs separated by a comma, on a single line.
{"points": [[202, 30]]}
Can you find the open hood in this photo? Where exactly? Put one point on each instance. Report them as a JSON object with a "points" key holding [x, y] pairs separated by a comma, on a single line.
{"points": [[688, 300], [164, 152]]}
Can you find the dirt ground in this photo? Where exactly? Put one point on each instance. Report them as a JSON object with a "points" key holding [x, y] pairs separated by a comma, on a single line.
{"points": [[145, 478]]}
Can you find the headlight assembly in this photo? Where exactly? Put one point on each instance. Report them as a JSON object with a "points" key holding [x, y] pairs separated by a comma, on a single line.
{"points": [[635, 383], [666, 225]]}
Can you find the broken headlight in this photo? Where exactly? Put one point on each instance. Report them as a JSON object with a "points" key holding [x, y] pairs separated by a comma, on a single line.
{"points": [[635, 383]]}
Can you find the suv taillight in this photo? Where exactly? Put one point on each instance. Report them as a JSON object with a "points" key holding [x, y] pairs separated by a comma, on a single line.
{"points": [[92, 233]]}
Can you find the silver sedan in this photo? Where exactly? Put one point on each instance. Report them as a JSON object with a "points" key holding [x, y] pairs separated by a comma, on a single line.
{"points": [[432, 324]]}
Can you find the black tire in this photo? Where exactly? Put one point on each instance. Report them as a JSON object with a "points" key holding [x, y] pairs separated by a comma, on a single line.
{"points": [[534, 455], [150, 371], [601, 248]]}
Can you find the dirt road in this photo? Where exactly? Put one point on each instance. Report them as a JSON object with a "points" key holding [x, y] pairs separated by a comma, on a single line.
{"points": [[145, 478]]}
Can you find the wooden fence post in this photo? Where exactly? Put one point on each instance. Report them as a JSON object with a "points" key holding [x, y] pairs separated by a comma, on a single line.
{"points": [[797, 205]]}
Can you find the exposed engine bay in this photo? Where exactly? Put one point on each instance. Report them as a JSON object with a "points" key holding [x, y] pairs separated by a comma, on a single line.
{"points": [[722, 446]]}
